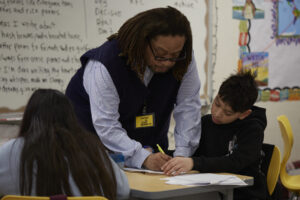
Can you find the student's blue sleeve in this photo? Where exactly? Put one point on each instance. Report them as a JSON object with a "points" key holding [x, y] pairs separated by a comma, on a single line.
{"points": [[123, 189]]}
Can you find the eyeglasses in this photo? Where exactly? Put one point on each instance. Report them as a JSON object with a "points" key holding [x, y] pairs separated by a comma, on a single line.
{"points": [[182, 55]]}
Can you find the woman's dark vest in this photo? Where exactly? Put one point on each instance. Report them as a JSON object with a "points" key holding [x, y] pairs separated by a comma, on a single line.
{"points": [[159, 96]]}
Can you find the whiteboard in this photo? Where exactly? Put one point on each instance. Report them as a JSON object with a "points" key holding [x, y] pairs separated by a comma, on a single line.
{"points": [[41, 41]]}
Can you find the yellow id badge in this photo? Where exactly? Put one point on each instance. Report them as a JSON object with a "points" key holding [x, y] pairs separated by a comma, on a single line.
{"points": [[144, 121]]}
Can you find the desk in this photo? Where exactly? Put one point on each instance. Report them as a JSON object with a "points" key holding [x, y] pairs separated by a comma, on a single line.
{"points": [[149, 186]]}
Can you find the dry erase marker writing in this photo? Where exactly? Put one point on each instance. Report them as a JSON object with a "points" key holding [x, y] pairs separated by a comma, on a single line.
{"points": [[160, 149]]}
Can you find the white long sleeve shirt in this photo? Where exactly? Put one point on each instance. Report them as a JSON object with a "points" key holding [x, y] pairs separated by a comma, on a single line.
{"points": [[104, 103]]}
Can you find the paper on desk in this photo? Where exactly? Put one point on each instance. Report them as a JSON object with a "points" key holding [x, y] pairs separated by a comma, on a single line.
{"points": [[204, 179], [142, 170]]}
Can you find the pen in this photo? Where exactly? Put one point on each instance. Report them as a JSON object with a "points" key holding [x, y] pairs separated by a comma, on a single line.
{"points": [[160, 149]]}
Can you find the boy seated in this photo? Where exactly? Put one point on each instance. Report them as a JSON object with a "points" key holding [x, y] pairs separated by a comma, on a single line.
{"points": [[232, 137]]}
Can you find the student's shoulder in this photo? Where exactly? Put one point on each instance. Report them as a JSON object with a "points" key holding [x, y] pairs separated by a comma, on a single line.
{"points": [[7, 144], [256, 118], [11, 147]]}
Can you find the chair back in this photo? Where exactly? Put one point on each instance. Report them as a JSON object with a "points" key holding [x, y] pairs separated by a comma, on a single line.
{"points": [[271, 165], [288, 140], [16, 197]]}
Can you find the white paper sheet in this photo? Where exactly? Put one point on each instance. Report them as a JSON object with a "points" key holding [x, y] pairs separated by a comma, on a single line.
{"points": [[204, 179]]}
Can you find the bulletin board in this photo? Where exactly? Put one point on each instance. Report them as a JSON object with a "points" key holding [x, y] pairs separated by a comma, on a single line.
{"points": [[273, 41]]}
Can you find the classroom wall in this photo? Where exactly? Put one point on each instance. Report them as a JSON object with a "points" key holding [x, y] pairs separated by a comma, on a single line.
{"points": [[226, 63], [226, 57]]}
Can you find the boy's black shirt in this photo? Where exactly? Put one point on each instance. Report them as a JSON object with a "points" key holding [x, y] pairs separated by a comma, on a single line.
{"points": [[234, 148]]}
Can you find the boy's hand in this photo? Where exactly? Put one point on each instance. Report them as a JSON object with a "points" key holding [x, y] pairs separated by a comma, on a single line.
{"points": [[155, 161], [178, 165]]}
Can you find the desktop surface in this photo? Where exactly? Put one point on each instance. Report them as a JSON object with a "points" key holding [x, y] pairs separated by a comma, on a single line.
{"points": [[150, 186]]}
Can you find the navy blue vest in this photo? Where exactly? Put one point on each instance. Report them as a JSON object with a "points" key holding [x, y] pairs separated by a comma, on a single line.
{"points": [[159, 96]]}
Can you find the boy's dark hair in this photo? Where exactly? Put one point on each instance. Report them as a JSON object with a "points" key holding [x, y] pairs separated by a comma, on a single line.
{"points": [[239, 91]]}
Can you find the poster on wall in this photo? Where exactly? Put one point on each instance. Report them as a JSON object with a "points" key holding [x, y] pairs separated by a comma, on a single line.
{"points": [[247, 9], [286, 16], [257, 63], [279, 35]]}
